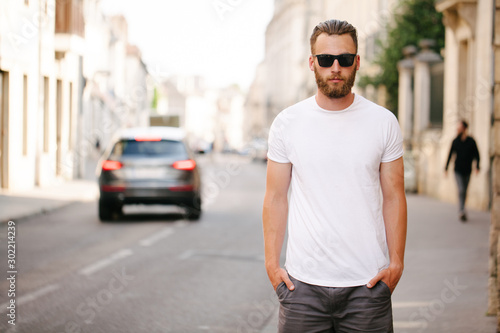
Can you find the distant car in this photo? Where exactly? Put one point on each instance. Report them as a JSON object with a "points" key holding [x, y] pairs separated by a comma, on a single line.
{"points": [[148, 166], [258, 149]]}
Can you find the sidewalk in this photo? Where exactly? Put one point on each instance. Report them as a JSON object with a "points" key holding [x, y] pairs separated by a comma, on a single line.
{"points": [[21, 204], [444, 286]]}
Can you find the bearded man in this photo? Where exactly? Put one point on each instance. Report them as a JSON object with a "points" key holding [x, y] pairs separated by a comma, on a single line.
{"points": [[341, 157]]}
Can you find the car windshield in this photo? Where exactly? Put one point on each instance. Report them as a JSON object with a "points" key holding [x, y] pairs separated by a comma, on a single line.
{"points": [[163, 148]]}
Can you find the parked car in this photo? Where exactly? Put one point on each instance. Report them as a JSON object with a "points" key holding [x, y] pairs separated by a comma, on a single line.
{"points": [[256, 149], [148, 166]]}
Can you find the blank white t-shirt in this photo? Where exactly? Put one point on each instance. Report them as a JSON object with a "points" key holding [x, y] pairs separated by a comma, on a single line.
{"points": [[336, 232]]}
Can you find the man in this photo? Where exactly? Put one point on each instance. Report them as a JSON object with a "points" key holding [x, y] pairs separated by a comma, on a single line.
{"points": [[345, 246], [465, 149]]}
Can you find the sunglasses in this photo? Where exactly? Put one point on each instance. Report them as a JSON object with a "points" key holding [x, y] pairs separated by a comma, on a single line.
{"points": [[327, 60]]}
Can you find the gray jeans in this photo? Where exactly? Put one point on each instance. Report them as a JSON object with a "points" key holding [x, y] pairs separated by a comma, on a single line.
{"points": [[462, 184], [316, 309]]}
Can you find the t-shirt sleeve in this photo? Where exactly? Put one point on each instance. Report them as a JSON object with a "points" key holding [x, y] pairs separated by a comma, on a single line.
{"points": [[393, 141], [276, 144]]}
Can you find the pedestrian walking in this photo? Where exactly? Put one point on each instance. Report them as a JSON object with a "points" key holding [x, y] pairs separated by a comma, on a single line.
{"points": [[341, 155], [465, 150]]}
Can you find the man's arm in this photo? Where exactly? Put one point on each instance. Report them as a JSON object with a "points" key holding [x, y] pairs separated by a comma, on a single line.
{"points": [[274, 216], [394, 211]]}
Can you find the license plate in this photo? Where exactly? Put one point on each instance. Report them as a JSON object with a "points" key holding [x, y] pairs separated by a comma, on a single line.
{"points": [[150, 173]]}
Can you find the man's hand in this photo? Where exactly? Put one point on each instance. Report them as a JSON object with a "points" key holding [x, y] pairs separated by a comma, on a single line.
{"points": [[390, 276], [280, 275]]}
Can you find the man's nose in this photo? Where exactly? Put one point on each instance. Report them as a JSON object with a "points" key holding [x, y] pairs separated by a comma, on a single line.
{"points": [[335, 66]]}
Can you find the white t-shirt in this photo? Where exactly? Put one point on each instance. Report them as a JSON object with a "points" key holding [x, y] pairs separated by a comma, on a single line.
{"points": [[336, 232]]}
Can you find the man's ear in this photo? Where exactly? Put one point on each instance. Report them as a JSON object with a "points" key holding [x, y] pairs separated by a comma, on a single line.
{"points": [[357, 62], [311, 63]]}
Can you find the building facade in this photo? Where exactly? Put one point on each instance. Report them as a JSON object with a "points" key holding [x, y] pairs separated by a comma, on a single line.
{"points": [[55, 58], [41, 44]]}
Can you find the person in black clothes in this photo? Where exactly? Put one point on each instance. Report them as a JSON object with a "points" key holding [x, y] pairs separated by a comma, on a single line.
{"points": [[465, 149]]}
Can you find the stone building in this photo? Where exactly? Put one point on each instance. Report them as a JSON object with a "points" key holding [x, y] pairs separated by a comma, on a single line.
{"points": [[41, 46], [117, 92], [63, 69]]}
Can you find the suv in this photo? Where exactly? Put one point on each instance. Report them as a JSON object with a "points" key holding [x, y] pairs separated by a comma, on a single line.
{"points": [[148, 166]]}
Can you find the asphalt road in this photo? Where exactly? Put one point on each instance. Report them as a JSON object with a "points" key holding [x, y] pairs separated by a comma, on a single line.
{"points": [[146, 272], [153, 271]]}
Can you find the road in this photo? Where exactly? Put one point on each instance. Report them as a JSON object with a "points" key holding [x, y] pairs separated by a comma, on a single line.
{"points": [[153, 271], [147, 272]]}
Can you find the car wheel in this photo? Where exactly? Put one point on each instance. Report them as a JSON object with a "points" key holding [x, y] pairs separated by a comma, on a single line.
{"points": [[193, 213], [109, 211]]}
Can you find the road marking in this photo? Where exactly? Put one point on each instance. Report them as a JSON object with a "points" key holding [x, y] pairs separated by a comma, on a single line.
{"points": [[156, 237], [186, 255], [204, 328], [31, 296], [409, 324], [217, 254], [401, 305], [98, 265]]}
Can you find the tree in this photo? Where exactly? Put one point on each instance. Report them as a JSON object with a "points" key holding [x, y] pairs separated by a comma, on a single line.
{"points": [[414, 20], [154, 100]]}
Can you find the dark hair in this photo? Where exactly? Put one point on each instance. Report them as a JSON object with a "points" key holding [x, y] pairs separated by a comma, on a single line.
{"points": [[465, 124], [334, 27]]}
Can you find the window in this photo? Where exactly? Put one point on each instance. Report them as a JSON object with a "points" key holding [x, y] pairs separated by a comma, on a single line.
{"points": [[70, 120], [437, 93], [4, 111], [163, 148], [46, 128], [371, 47], [58, 131]]}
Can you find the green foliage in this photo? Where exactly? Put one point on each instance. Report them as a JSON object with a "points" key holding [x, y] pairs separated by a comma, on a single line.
{"points": [[154, 101], [414, 20]]}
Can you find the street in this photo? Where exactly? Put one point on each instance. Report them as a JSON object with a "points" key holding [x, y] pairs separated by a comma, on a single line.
{"points": [[153, 271], [146, 273]]}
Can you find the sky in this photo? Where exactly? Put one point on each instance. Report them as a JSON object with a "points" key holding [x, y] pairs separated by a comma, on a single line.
{"points": [[222, 40]]}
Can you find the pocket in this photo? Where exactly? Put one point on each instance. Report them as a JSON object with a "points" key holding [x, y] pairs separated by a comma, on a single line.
{"points": [[281, 284], [385, 287]]}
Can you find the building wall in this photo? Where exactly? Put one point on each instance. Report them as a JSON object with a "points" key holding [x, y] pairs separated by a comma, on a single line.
{"points": [[50, 120], [29, 148], [494, 286]]}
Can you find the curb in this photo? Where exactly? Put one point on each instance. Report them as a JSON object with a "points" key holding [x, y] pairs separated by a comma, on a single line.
{"points": [[39, 211]]}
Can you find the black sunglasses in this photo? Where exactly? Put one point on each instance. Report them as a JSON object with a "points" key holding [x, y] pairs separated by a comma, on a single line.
{"points": [[327, 60]]}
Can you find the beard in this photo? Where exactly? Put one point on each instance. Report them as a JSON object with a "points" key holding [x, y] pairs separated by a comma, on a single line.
{"points": [[334, 90]]}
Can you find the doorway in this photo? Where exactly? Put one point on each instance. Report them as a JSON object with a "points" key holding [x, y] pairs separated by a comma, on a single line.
{"points": [[4, 117]]}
